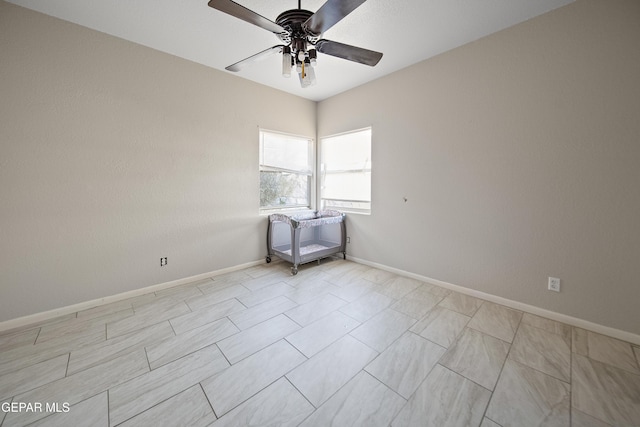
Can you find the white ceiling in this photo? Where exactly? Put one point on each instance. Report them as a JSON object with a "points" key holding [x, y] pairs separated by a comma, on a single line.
{"points": [[406, 31]]}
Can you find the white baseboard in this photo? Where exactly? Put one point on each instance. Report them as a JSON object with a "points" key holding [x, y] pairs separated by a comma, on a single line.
{"points": [[559, 317], [33, 319]]}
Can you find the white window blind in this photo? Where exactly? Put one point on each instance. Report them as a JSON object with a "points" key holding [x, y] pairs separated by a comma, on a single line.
{"points": [[286, 171], [346, 172]]}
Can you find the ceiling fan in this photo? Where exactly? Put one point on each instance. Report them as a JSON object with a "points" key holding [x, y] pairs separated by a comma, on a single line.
{"points": [[300, 32]]}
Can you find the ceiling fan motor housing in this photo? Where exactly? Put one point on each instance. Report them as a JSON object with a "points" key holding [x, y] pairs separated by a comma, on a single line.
{"points": [[292, 20]]}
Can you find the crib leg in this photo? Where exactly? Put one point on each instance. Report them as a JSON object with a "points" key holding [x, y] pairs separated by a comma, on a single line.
{"points": [[294, 270]]}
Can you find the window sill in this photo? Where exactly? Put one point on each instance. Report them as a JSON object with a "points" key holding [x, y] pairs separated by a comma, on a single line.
{"points": [[286, 211]]}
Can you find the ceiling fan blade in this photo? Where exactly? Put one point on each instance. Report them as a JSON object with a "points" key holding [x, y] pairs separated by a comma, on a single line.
{"points": [[253, 58], [329, 14], [351, 53], [234, 9]]}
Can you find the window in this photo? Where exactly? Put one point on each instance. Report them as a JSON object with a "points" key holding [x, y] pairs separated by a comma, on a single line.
{"points": [[346, 172], [286, 171]]}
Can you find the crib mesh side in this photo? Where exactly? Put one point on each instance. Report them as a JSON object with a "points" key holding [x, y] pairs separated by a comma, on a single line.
{"points": [[308, 237]]}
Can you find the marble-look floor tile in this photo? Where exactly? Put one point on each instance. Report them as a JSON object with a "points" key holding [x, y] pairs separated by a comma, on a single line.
{"points": [[263, 270], [605, 349], [477, 356], [188, 408], [605, 392], [265, 294], [427, 293], [542, 350], [209, 314], [398, 286], [580, 341], [232, 277], [175, 294], [284, 268], [170, 349], [463, 304], [33, 376], [280, 404], [486, 422], [181, 290], [43, 323], [147, 315], [141, 299], [378, 276], [348, 274], [320, 334], [141, 393], [363, 401], [322, 375], [20, 357], [548, 325], [315, 309], [354, 290], [18, 339], [216, 285], [263, 281], [305, 295], [261, 312], [307, 292], [337, 266], [311, 277], [239, 382], [3, 413], [215, 297], [81, 327], [102, 310], [580, 419], [383, 329], [406, 363], [435, 290], [251, 340], [100, 352], [496, 320], [91, 412], [442, 326], [367, 306], [317, 281], [526, 397], [74, 334], [78, 387], [444, 399], [605, 374], [415, 308]]}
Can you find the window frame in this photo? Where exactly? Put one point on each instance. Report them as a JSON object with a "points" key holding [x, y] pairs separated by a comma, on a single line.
{"points": [[310, 173], [322, 172]]}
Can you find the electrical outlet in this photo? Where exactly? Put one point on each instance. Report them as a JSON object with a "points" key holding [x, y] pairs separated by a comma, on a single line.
{"points": [[348, 239], [554, 284], [163, 261]]}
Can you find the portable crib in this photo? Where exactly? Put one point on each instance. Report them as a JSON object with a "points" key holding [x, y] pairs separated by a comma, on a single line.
{"points": [[307, 237]]}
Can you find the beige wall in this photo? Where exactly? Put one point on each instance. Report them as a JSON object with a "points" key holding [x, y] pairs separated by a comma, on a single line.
{"points": [[519, 155], [113, 155]]}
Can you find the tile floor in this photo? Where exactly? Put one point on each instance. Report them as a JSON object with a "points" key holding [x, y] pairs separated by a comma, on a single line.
{"points": [[340, 344]]}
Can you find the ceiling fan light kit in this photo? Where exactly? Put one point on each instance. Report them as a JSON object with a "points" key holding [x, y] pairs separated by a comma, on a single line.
{"points": [[300, 32]]}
